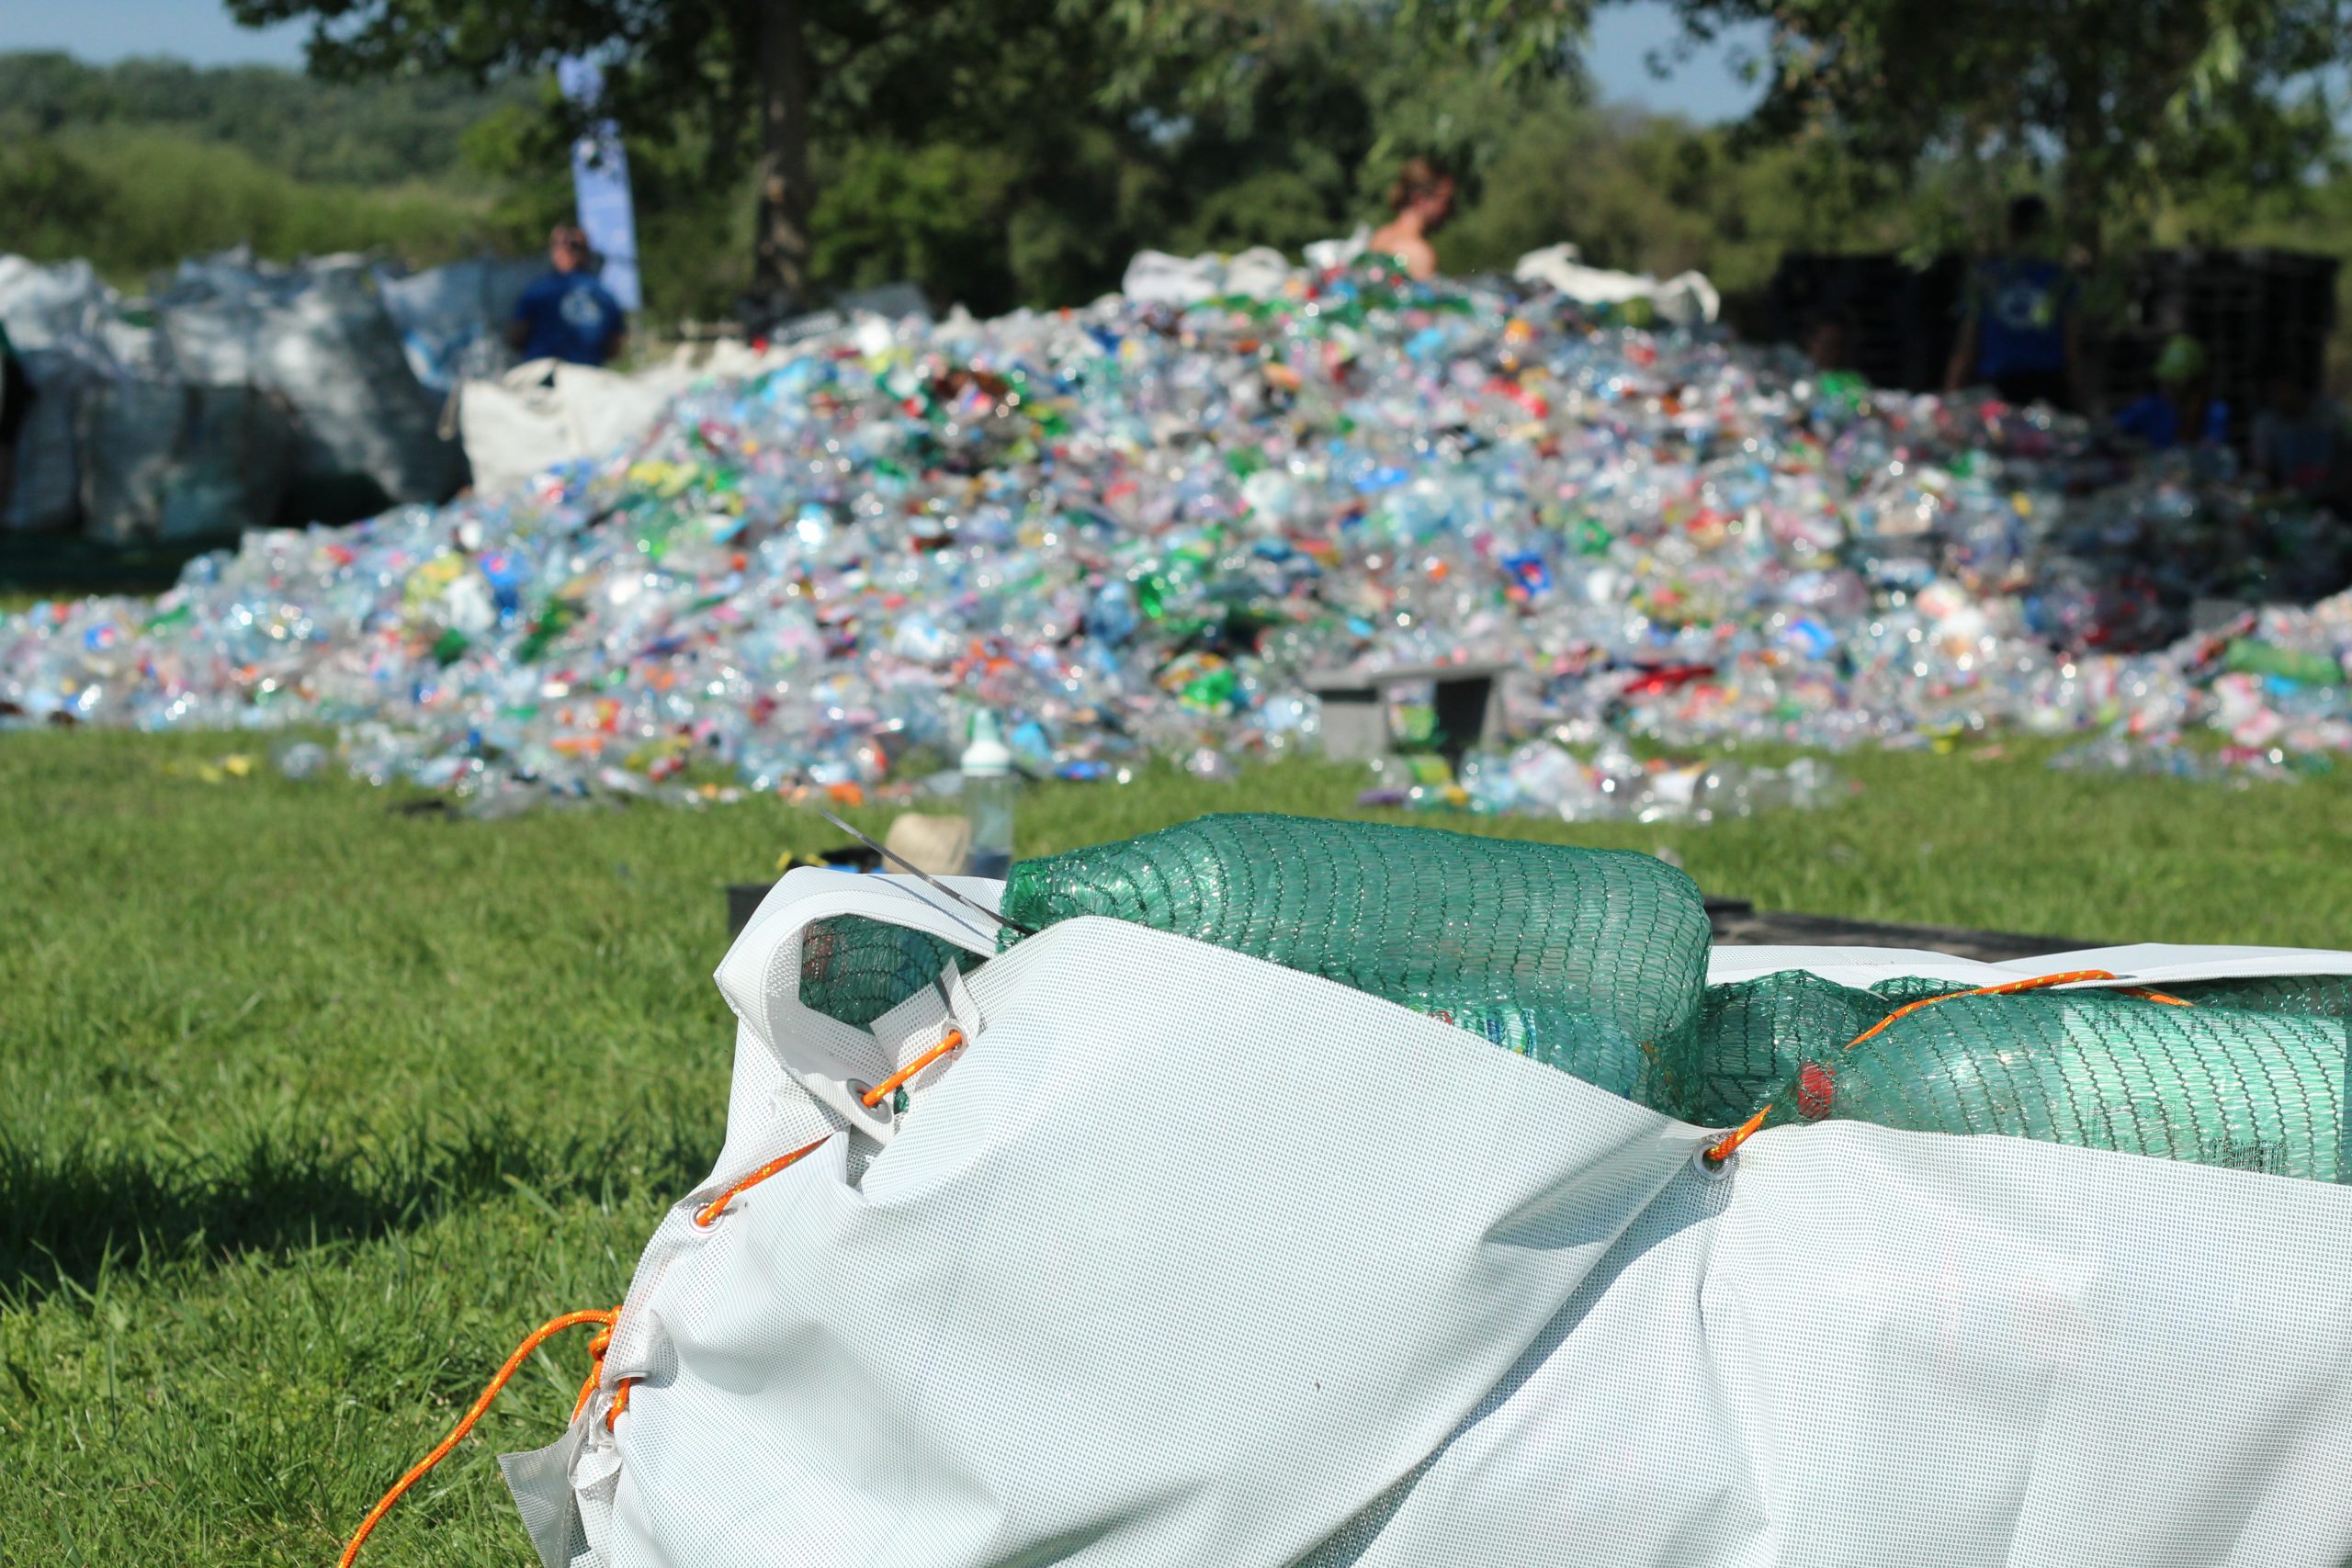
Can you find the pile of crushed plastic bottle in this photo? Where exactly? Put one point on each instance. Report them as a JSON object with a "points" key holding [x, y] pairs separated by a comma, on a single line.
{"points": [[1134, 529]]}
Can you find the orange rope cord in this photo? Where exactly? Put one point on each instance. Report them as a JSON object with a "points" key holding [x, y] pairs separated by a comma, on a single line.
{"points": [[2011, 988], [596, 1348], [897, 1080], [1740, 1134], [1747, 1128], [709, 1212], [441, 1450]]}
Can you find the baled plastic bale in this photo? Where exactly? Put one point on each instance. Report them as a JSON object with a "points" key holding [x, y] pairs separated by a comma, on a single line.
{"points": [[2098, 1069], [335, 356], [182, 460], [44, 495], [1593, 960]]}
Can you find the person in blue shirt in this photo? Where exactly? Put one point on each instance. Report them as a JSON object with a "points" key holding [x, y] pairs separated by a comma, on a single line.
{"points": [[2019, 330], [2299, 438], [568, 315], [2182, 411]]}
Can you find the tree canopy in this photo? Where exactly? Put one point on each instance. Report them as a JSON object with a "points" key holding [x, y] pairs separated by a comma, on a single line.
{"points": [[2123, 105]]}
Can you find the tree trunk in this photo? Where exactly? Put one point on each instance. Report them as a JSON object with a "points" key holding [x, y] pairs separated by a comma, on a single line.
{"points": [[780, 242]]}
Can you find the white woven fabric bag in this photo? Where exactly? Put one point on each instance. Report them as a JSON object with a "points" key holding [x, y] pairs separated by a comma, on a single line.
{"points": [[1187, 1260]]}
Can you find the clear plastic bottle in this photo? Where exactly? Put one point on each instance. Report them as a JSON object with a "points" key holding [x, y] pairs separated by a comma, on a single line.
{"points": [[988, 789]]}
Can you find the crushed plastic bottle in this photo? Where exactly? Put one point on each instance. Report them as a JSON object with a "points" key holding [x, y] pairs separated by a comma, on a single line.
{"points": [[1135, 530]]}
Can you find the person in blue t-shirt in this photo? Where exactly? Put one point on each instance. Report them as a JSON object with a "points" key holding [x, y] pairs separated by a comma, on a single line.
{"points": [[2019, 331], [2182, 411], [568, 314]]}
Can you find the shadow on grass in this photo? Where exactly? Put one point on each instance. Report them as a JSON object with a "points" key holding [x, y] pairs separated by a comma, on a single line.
{"points": [[70, 1212]]}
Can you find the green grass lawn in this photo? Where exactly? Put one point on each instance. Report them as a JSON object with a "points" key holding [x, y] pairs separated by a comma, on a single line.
{"points": [[310, 1109]]}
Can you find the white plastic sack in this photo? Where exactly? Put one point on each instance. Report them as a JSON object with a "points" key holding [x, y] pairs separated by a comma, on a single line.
{"points": [[1154, 277], [320, 337], [1259, 273], [453, 319], [1186, 1259], [1685, 300], [1325, 255], [53, 306], [546, 412], [332, 352], [215, 338], [177, 460]]}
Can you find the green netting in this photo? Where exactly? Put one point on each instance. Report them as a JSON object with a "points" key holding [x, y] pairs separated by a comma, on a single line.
{"points": [[2227, 1086], [1751, 1037], [1591, 960], [1594, 962], [2310, 996], [856, 969]]}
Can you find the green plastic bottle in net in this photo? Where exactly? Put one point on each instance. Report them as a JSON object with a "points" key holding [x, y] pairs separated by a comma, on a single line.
{"points": [[2310, 996], [2257, 1090], [1592, 960], [856, 969], [1752, 1034]]}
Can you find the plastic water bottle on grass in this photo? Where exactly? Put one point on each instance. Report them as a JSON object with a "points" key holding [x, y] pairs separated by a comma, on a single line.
{"points": [[988, 788]]}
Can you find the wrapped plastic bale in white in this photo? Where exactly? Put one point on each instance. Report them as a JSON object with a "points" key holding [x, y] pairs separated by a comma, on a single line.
{"points": [[67, 324], [44, 492], [183, 461], [452, 319], [1166, 1254], [543, 412], [320, 337]]}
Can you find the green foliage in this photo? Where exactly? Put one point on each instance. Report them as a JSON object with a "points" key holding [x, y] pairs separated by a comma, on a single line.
{"points": [[138, 200], [935, 214], [139, 164], [2120, 103], [1649, 194], [389, 131]]}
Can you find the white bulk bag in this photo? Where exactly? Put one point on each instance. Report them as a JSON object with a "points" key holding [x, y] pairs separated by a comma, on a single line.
{"points": [[543, 412], [1185, 1259]]}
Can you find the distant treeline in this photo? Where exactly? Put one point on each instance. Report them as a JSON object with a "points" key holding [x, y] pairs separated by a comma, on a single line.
{"points": [[137, 165]]}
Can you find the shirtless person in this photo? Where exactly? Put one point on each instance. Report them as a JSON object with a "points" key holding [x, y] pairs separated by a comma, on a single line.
{"points": [[1422, 199]]}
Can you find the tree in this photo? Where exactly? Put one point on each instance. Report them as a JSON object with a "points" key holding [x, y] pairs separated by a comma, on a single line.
{"points": [[2125, 102], [754, 82]]}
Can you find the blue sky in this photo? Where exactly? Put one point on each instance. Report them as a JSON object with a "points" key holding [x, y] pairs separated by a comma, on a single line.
{"points": [[200, 30]]}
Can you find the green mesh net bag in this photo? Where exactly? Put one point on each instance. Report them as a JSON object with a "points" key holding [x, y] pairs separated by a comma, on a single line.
{"points": [[2309, 996], [2227, 1086], [1590, 960], [1751, 1037], [856, 969]]}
